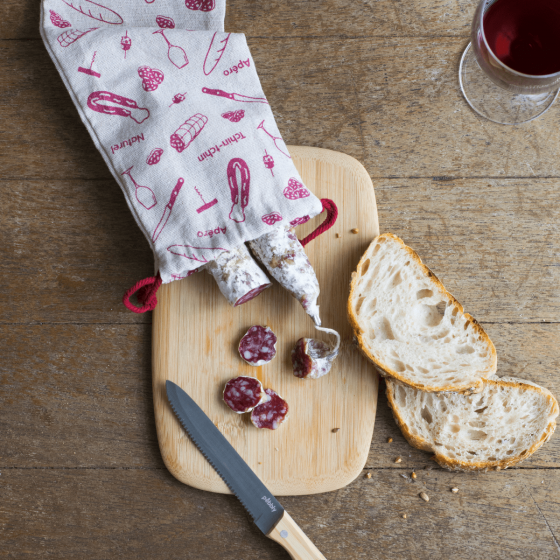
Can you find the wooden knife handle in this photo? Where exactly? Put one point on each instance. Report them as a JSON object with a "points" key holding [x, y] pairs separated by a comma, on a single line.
{"points": [[288, 534]]}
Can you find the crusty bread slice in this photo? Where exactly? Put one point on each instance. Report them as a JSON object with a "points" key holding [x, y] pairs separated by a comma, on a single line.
{"points": [[503, 424], [411, 327]]}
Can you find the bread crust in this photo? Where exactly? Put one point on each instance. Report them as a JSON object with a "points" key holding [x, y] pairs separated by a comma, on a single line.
{"points": [[395, 375], [454, 464]]}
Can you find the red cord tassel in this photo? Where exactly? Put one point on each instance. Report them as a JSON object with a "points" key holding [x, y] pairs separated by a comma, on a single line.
{"points": [[332, 214]]}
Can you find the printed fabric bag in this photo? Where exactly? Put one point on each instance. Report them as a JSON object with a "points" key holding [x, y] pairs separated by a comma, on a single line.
{"points": [[176, 109]]}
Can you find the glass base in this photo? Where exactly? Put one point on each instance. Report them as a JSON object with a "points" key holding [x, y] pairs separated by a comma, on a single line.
{"points": [[495, 103]]}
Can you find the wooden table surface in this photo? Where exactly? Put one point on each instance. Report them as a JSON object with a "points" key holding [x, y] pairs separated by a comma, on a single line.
{"points": [[81, 473]]}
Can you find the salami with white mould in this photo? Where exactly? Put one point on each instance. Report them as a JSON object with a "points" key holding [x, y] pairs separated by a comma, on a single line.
{"points": [[313, 358], [258, 346], [284, 257], [242, 394], [238, 276], [270, 414]]}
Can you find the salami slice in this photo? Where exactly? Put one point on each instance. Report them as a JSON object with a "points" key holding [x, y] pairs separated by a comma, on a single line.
{"points": [[258, 346], [271, 413], [284, 257], [313, 358], [238, 276], [242, 394]]}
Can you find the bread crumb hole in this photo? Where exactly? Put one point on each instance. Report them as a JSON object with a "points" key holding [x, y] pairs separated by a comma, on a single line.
{"points": [[427, 415], [365, 266], [466, 349], [476, 435], [359, 304], [385, 332], [456, 429], [421, 294], [423, 370], [480, 411], [509, 452], [397, 279], [398, 366]]}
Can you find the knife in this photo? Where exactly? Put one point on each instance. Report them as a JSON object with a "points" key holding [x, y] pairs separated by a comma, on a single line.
{"points": [[269, 516], [234, 96], [167, 210]]}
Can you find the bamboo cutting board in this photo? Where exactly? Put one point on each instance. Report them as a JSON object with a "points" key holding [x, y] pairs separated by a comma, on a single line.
{"points": [[195, 337]]}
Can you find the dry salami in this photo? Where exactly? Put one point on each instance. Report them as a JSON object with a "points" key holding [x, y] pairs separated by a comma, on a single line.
{"points": [[271, 413], [258, 346], [238, 276], [284, 257], [313, 358], [242, 394]]}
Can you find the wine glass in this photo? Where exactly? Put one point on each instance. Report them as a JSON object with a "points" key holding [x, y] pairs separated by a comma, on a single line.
{"points": [[175, 53], [510, 72]]}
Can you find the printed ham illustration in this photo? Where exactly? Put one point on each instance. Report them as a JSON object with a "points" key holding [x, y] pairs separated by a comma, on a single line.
{"points": [[165, 22], [187, 132], [242, 394], [239, 180], [258, 346], [270, 414], [238, 276], [313, 358], [284, 257], [155, 156]]}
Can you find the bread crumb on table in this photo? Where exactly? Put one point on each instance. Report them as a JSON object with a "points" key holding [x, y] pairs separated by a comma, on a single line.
{"points": [[424, 496], [404, 515], [389, 440], [413, 475], [368, 475], [334, 430], [398, 460], [338, 236], [455, 490], [355, 230]]}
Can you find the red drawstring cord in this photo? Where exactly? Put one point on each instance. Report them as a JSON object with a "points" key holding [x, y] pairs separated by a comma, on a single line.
{"points": [[146, 295], [332, 214], [146, 289]]}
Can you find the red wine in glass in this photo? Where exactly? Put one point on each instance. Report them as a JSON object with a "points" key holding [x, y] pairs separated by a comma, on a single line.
{"points": [[525, 35]]}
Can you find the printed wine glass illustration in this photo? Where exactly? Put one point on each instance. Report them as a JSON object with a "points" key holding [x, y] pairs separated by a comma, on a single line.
{"points": [[89, 71], [144, 195], [205, 204], [126, 43], [278, 142], [176, 54], [168, 209]]}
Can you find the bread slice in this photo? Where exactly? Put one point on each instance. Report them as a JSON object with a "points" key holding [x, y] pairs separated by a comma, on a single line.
{"points": [[411, 327], [503, 424]]}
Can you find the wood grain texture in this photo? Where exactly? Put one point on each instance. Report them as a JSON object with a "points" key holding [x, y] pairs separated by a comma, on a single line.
{"points": [[131, 514], [80, 396], [71, 248], [19, 19], [393, 104], [201, 355]]}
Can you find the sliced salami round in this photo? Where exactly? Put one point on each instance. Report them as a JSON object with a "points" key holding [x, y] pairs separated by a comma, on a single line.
{"points": [[271, 413], [284, 257], [242, 394], [258, 346], [313, 358], [238, 275]]}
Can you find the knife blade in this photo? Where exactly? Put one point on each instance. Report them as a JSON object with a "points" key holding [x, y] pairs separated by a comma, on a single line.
{"points": [[234, 96], [269, 516]]}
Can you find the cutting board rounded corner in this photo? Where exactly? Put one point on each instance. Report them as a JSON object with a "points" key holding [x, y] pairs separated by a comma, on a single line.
{"points": [[192, 345]]}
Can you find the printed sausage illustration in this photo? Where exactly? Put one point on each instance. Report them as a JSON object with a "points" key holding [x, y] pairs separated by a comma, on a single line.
{"points": [[165, 22], [239, 180], [258, 346], [112, 104], [270, 414], [182, 138], [238, 276], [242, 394], [155, 156], [284, 257], [151, 77]]}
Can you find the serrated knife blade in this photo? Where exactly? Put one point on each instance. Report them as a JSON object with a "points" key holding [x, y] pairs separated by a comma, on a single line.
{"points": [[268, 514]]}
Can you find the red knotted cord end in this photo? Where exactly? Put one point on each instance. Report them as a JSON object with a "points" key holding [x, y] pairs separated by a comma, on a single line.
{"points": [[332, 214], [145, 291]]}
